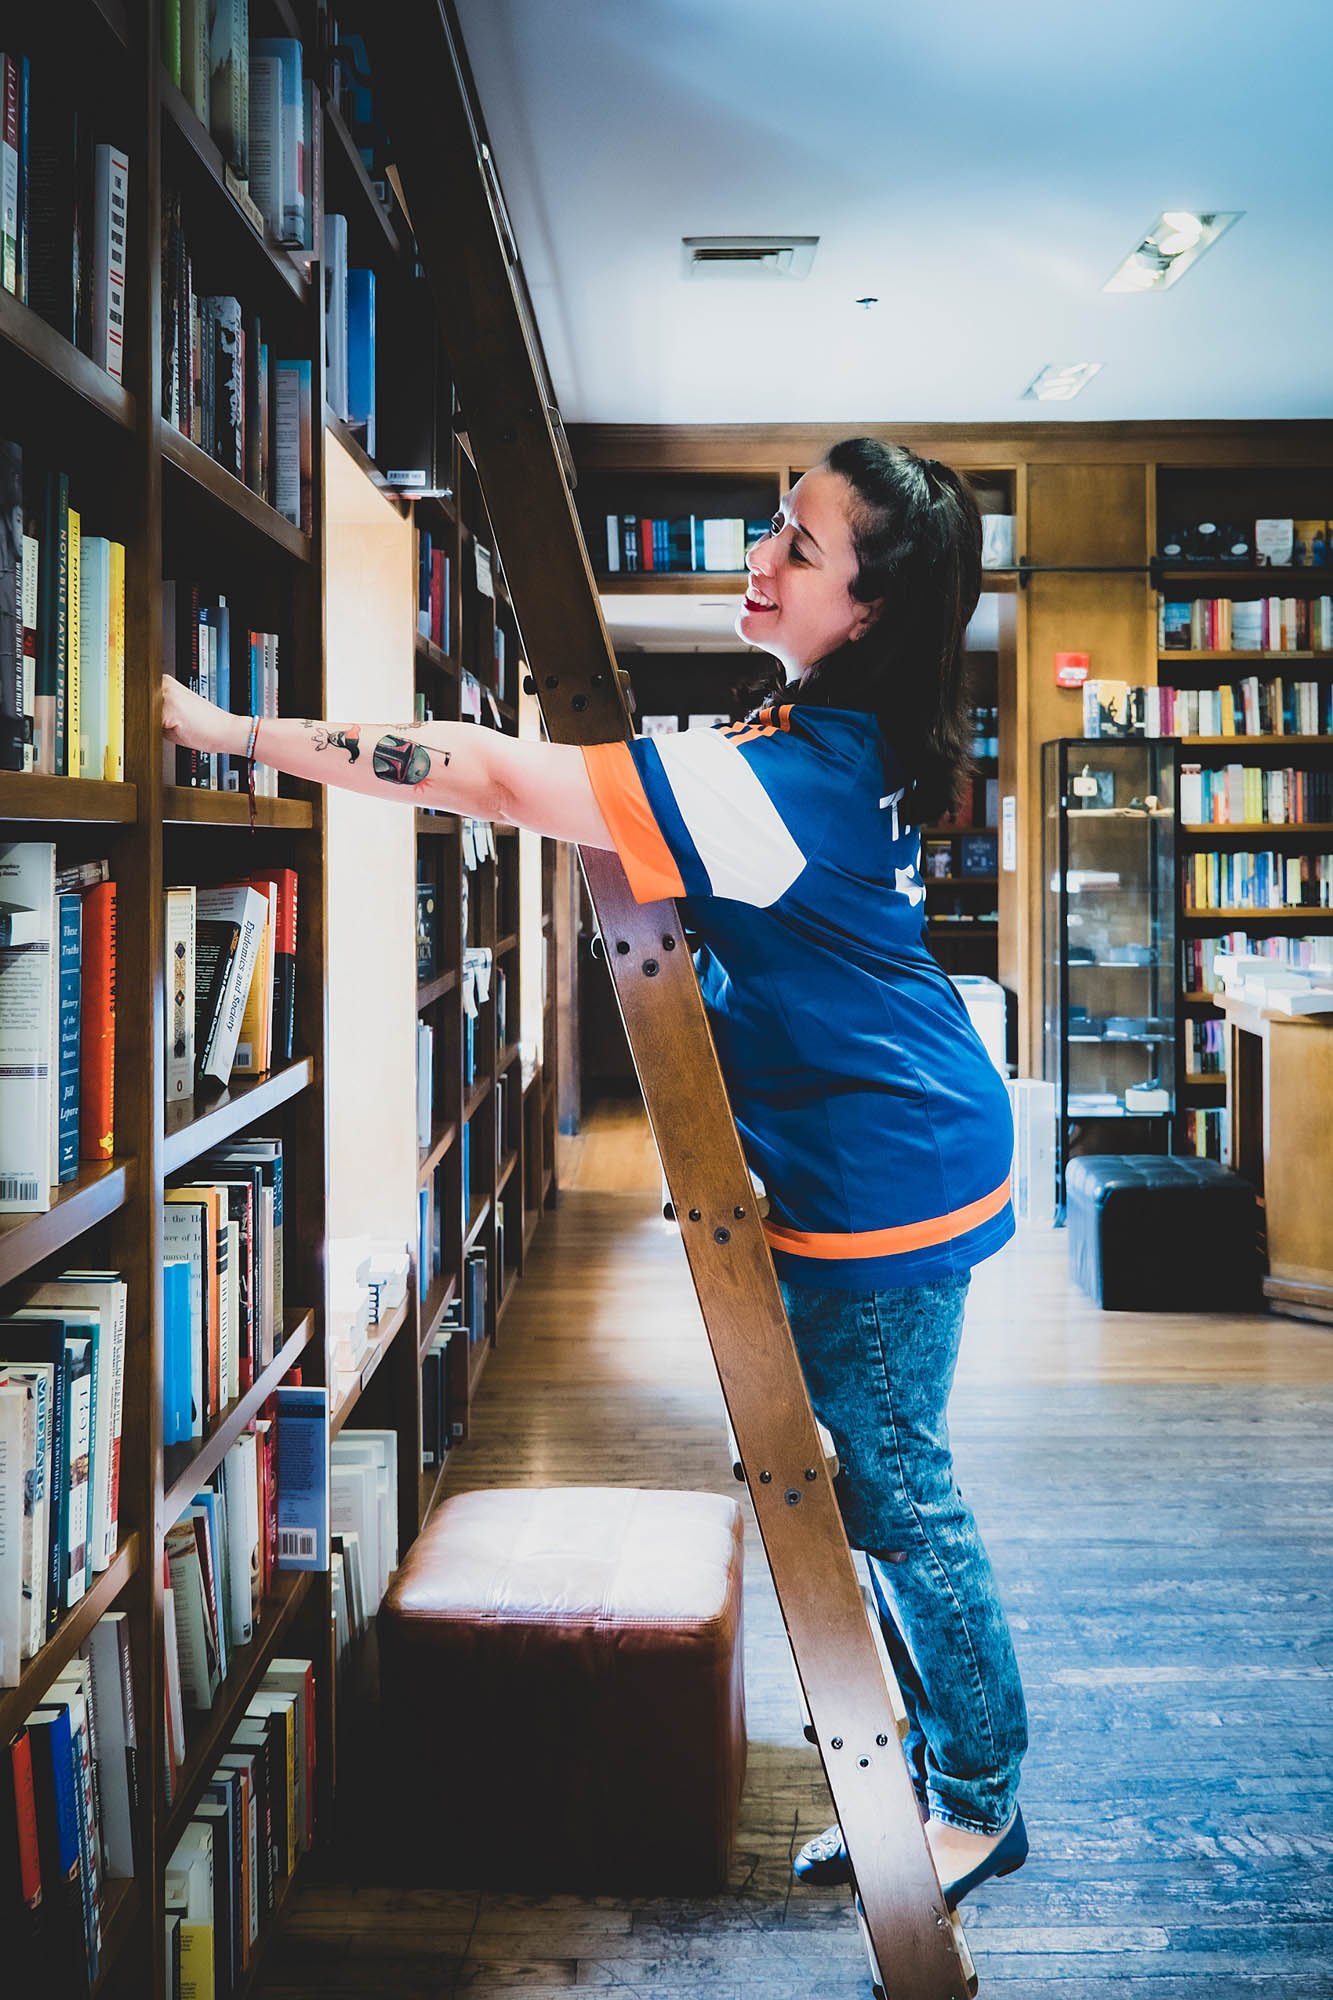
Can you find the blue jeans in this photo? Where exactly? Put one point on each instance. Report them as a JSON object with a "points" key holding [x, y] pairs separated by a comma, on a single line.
{"points": [[879, 1367]]}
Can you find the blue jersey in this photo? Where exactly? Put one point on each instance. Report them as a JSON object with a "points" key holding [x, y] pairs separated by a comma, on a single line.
{"points": [[864, 1099]]}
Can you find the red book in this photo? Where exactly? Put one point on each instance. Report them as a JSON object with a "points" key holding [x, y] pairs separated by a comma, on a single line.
{"points": [[97, 1024], [645, 544], [25, 1810], [437, 596]]}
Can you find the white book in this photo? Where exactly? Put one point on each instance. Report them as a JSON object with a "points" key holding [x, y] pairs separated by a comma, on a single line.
{"points": [[194, 1650], [353, 1503], [379, 1448], [240, 1478], [38, 1377], [229, 80], [16, 1442], [266, 139], [114, 1749], [174, 1735], [243, 905], [29, 992], [231, 1320], [80, 1449], [1299, 1000], [353, 1574], [105, 1294], [179, 992], [111, 187]]}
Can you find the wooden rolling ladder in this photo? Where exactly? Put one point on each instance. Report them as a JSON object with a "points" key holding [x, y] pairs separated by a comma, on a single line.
{"points": [[916, 1946]]}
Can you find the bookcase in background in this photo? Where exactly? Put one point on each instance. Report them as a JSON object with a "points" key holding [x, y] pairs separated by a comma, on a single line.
{"points": [[190, 515], [1282, 812]]}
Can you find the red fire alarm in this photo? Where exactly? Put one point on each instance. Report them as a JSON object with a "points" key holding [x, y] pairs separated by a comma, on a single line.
{"points": [[1071, 669]]}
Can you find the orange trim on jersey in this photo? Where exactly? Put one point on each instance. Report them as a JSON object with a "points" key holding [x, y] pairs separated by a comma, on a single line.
{"points": [[644, 855], [784, 716], [751, 735], [891, 1242]]}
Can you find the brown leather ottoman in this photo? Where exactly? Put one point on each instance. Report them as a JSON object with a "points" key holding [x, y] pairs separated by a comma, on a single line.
{"points": [[562, 1686]]}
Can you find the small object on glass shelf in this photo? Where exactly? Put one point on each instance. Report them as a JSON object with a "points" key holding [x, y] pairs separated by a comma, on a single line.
{"points": [[1147, 1097], [979, 854], [1274, 542]]}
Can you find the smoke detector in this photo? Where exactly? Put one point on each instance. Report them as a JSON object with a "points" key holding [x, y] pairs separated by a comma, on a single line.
{"points": [[747, 256]]}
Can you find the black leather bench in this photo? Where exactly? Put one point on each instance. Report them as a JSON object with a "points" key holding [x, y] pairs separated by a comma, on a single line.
{"points": [[1162, 1233]]}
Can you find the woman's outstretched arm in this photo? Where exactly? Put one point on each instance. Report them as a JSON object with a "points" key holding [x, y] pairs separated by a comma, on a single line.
{"points": [[454, 766]]}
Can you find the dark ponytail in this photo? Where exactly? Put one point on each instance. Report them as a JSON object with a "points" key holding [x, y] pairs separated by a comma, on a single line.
{"points": [[916, 531]]}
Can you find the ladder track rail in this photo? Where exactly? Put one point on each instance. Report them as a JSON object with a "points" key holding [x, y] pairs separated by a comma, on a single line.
{"points": [[420, 65]]}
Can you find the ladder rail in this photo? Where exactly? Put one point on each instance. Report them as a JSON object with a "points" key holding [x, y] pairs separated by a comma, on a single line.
{"points": [[914, 1942]]}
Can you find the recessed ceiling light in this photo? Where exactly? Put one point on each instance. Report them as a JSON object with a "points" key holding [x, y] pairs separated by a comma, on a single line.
{"points": [[1060, 383], [1176, 240]]}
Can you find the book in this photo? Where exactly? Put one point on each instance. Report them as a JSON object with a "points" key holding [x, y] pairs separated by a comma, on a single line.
{"points": [[302, 1419], [28, 1055], [36, 1381], [109, 225], [20, 1859], [100, 1298], [247, 909], [108, 1654], [65, 1132], [179, 1009], [18, 1452], [13, 730], [58, 1815], [97, 1024], [285, 215], [361, 356], [335, 312]]}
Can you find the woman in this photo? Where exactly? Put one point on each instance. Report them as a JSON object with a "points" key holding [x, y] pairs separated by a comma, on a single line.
{"points": [[863, 1097]]}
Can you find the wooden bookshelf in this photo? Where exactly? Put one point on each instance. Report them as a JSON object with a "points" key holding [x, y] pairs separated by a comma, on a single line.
{"points": [[181, 515]]}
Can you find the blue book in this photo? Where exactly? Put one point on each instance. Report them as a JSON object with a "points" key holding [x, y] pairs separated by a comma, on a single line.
{"points": [[176, 1410], [59, 1819], [67, 1100], [423, 1262], [228, 767], [361, 354], [303, 1476]]}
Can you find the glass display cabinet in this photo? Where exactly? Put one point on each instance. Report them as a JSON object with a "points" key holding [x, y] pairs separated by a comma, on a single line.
{"points": [[1109, 943]]}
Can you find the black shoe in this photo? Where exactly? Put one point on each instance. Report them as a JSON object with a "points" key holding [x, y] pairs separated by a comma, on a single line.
{"points": [[824, 1860]]}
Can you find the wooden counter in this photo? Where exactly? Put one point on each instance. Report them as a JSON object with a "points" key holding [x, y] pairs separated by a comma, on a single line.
{"points": [[1280, 1124]]}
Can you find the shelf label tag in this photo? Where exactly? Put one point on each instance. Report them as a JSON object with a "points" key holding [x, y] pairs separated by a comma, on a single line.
{"points": [[1071, 669]]}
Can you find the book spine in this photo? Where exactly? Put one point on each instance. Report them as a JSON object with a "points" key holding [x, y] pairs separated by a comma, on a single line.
{"points": [[13, 550], [9, 174], [110, 213], [67, 1109]]}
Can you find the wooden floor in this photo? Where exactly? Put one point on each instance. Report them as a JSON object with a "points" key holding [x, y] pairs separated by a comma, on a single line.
{"points": [[1155, 1494]]}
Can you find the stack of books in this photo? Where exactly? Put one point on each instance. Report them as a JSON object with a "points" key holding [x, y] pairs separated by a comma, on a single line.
{"points": [[62, 1370], [230, 979], [222, 1282], [255, 1819], [57, 1022], [62, 630], [69, 1800]]}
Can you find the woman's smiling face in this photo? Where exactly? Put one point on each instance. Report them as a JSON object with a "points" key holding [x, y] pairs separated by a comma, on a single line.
{"points": [[799, 605]]}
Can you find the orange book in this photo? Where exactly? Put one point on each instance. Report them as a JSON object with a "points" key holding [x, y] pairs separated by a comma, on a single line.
{"points": [[97, 1024]]}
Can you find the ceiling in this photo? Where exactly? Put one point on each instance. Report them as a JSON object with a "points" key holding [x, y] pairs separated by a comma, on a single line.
{"points": [[979, 168]]}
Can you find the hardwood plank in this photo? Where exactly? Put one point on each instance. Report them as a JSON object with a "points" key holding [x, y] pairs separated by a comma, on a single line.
{"points": [[1155, 1494]]}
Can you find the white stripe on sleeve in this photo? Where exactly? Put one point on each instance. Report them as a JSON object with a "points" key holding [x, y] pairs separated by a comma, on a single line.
{"points": [[743, 842]]}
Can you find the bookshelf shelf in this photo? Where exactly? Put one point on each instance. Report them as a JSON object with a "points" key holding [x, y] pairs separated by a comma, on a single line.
{"points": [[361, 458], [1263, 659], [506, 944], [1199, 1079], [353, 1384], [477, 1222], [434, 824], [1300, 829], [731, 583], [183, 456], [208, 1732], [197, 144], [344, 166], [507, 1058], [120, 1910], [435, 989], [441, 1139], [476, 1097], [192, 1129], [1260, 742], [430, 655], [506, 1169], [67, 372], [66, 801], [187, 1466], [186, 805], [438, 1299], [112, 12], [1309, 915], [102, 1187], [39, 1672]]}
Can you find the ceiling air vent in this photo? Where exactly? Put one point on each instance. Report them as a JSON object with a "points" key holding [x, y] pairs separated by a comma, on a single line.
{"points": [[747, 256]]}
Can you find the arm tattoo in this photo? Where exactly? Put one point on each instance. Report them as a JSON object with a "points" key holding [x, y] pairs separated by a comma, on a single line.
{"points": [[401, 762]]}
